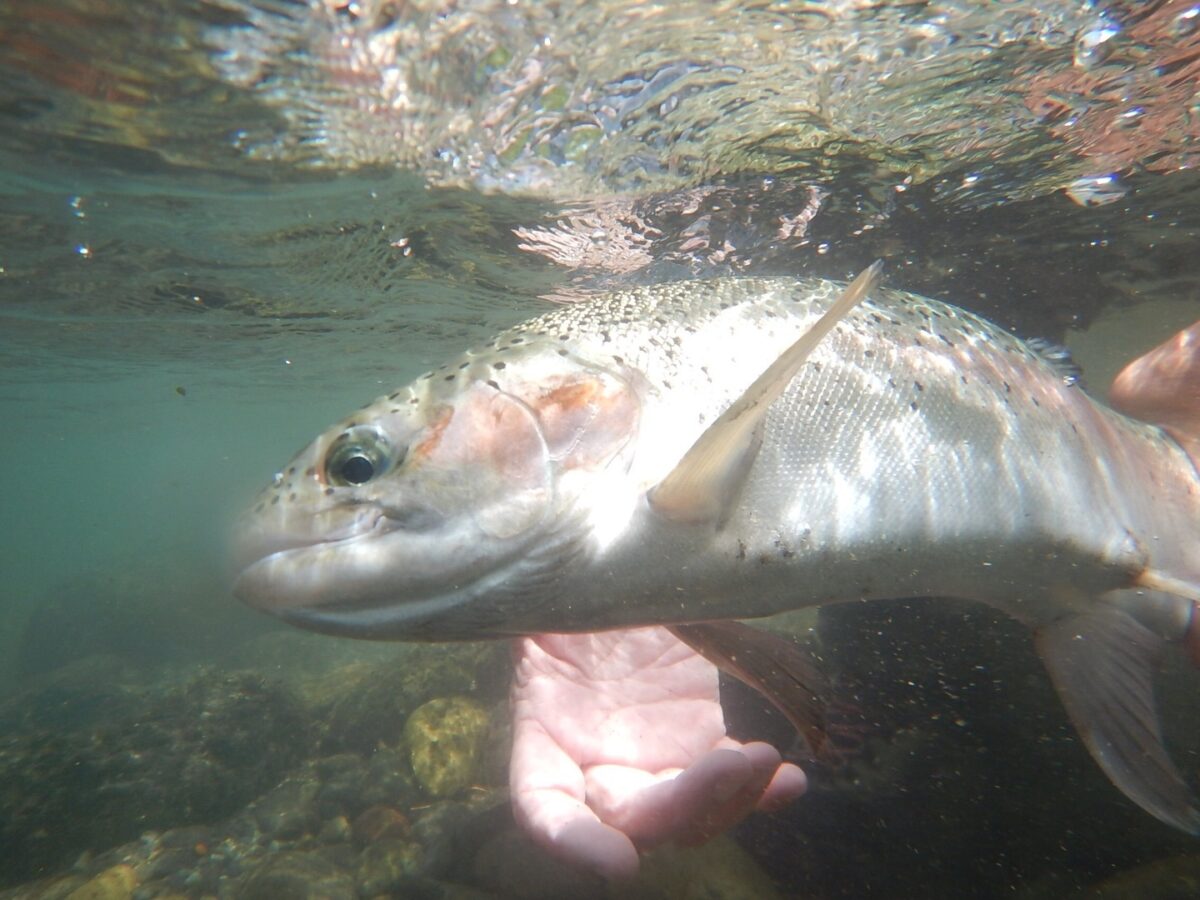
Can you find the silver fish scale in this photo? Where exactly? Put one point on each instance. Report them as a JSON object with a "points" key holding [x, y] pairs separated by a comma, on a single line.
{"points": [[915, 428]]}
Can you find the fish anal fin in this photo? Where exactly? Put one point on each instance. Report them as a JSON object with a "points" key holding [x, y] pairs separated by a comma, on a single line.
{"points": [[1163, 387], [1102, 664], [772, 665], [707, 480]]}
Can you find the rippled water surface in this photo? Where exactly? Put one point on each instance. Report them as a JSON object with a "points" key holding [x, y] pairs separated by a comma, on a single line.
{"points": [[224, 224]]}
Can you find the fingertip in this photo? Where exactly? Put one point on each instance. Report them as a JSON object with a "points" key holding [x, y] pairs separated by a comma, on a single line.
{"points": [[788, 784], [763, 757], [593, 846]]}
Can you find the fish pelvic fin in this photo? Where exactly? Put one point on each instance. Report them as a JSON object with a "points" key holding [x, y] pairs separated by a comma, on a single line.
{"points": [[1163, 387], [774, 666], [707, 480], [1102, 664]]}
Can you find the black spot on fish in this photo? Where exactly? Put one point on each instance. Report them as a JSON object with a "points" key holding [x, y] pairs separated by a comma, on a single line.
{"points": [[945, 340], [891, 382], [516, 341], [564, 337], [918, 386], [913, 405], [493, 384], [426, 376], [310, 472], [291, 470], [499, 365], [562, 352], [395, 395], [328, 491], [413, 401], [450, 377], [618, 360], [462, 366], [1007, 388], [869, 354], [876, 318]]}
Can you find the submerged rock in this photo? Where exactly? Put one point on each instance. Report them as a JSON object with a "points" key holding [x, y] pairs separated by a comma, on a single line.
{"points": [[445, 740], [363, 705], [116, 883], [288, 811], [389, 866], [193, 753], [297, 875]]}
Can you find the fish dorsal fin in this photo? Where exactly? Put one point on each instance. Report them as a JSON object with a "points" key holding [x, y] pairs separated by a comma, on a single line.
{"points": [[1057, 357], [702, 487], [1163, 387]]}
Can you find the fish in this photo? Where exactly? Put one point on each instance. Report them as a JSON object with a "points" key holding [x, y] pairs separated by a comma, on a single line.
{"points": [[713, 451]]}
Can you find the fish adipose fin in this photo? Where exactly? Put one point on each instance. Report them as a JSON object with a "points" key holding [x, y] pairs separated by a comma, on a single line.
{"points": [[703, 486], [774, 666], [1103, 664], [1163, 387]]}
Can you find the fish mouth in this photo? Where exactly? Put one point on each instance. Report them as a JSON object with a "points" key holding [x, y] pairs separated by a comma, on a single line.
{"points": [[279, 569], [391, 573], [258, 544]]}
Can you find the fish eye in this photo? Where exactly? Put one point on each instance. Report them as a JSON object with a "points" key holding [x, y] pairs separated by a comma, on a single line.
{"points": [[357, 456]]}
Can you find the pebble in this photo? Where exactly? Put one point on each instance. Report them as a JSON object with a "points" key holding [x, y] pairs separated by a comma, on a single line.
{"points": [[445, 738]]}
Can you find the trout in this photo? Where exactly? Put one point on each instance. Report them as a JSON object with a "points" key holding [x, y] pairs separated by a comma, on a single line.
{"points": [[727, 449]]}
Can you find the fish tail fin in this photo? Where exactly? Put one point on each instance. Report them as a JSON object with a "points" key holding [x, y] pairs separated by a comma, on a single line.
{"points": [[1163, 387], [1102, 664]]}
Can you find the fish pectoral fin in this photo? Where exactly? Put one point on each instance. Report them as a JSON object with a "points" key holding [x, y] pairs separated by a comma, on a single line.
{"points": [[703, 486], [1102, 663], [777, 668]]}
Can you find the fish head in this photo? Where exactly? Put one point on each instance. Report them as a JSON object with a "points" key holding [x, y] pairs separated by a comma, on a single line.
{"points": [[408, 518]]}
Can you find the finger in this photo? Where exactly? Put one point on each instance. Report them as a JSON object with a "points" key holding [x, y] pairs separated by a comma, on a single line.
{"points": [[763, 763], [652, 809], [788, 784], [588, 844], [547, 788]]}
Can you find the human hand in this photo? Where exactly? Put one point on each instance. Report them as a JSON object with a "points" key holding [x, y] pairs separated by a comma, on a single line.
{"points": [[619, 745]]}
